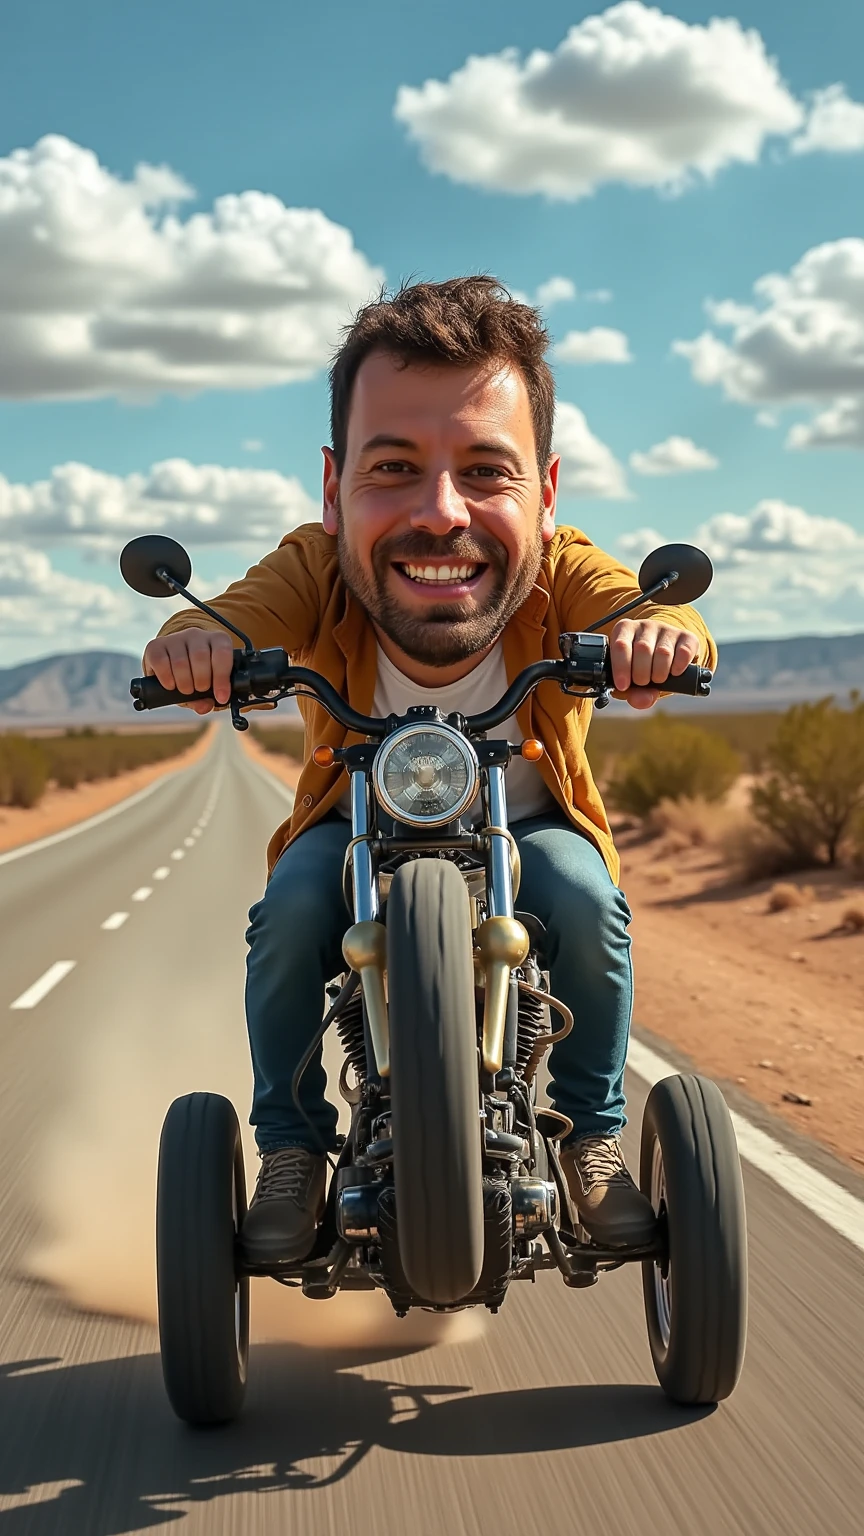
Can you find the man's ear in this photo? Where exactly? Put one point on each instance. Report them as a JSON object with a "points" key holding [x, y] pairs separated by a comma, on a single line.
{"points": [[330, 511], [550, 496]]}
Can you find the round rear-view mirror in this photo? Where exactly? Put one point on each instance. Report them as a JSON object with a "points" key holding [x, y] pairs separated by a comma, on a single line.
{"points": [[152, 552], [693, 566]]}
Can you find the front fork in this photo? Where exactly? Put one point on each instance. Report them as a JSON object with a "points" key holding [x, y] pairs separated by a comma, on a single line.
{"points": [[501, 942]]}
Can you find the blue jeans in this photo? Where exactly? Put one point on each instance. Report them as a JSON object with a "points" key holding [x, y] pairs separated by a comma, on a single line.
{"points": [[295, 936]]}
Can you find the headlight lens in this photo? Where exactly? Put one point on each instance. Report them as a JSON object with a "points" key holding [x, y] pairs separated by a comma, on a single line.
{"points": [[426, 775]]}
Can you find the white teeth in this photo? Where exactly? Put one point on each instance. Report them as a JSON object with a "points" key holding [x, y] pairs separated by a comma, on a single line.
{"points": [[441, 573]]}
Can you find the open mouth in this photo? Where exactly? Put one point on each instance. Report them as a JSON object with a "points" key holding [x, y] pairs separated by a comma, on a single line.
{"points": [[456, 576]]}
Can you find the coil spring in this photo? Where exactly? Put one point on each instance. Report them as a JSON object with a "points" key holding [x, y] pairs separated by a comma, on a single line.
{"points": [[531, 1024], [349, 1028]]}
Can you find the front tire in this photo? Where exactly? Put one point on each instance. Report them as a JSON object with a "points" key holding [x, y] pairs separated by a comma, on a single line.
{"points": [[203, 1303], [695, 1303], [434, 1081]]}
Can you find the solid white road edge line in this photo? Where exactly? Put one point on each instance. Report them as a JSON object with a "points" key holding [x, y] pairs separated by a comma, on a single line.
{"points": [[92, 821], [44, 985], [829, 1201]]}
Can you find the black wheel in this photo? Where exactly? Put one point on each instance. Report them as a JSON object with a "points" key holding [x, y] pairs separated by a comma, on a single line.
{"points": [[203, 1304], [434, 1081], [696, 1301]]}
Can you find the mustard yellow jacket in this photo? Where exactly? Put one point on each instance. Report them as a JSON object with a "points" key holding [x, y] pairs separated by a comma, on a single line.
{"points": [[296, 598]]}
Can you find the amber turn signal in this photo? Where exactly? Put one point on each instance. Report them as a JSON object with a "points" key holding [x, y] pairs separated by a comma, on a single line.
{"points": [[324, 757], [532, 749]]}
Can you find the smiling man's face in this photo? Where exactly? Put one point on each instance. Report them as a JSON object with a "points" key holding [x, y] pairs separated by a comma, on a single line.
{"points": [[440, 510]]}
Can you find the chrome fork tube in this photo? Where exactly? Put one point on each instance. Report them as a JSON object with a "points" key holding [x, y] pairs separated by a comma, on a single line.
{"points": [[500, 891], [365, 889]]}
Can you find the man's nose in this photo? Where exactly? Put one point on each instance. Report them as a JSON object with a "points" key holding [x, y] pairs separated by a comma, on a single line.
{"points": [[442, 508]]}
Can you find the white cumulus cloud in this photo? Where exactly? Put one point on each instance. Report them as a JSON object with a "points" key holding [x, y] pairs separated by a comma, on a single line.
{"points": [[631, 96], [39, 603], [106, 290], [555, 290], [674, 456], [801, 343], [834, 123], [778, 569], [200, 503], [589, 468], [599, 345]]}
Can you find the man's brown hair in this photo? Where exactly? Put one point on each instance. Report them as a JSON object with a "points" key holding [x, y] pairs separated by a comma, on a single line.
{"points": [[464, 321]]}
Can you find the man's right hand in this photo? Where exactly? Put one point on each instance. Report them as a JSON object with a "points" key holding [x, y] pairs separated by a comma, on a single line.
{"points": [[192, 660]]}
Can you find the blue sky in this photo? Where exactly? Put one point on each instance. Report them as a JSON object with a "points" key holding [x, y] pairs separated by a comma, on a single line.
{"points": [[299, 105]]}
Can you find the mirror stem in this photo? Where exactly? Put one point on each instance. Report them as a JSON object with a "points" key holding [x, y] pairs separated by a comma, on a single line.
{"points": [[175, 586], [646, 597]]}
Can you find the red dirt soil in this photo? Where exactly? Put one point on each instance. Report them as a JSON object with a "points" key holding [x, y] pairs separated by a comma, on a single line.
{"points": [[773, 1001]]}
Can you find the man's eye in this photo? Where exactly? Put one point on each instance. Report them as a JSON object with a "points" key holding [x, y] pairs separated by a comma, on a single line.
{"points": [[393, 466], [486, 471]]}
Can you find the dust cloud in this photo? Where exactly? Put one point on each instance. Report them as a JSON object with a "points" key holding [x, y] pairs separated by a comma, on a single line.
{"points": [[96, 1180]]}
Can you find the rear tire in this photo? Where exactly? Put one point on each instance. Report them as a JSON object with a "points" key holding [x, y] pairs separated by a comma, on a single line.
{"points": [[434, 1081], [203, 1303], [695, 1305]]}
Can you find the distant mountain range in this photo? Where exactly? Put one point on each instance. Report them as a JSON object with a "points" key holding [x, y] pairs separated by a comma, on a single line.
{"points": [[92, 687]]}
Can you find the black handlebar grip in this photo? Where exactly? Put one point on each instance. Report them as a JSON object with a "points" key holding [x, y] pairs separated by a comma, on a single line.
{"points": [[694, 680], [148, 693]]}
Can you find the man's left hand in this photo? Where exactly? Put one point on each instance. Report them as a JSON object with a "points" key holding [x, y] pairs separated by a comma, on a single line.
{"points": [[645, 653]]}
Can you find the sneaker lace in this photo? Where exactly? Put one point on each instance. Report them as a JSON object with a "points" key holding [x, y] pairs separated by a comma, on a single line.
{"points": [[601, 1160], [284, 1174]]}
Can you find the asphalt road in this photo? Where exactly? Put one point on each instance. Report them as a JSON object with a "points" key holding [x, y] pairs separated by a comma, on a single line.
{"points": [[548, 1420]]}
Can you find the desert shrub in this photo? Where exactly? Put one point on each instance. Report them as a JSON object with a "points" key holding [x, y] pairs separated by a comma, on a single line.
{"points": [[79, 757], [284, 739], [673, 762], [24, 771], [853, 919], [618, 731], [785, 896], [812, 797], [693, 822]]}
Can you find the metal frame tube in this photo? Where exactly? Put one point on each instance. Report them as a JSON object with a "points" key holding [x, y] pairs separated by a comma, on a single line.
{"points": [[500, 889], [365, 884]]}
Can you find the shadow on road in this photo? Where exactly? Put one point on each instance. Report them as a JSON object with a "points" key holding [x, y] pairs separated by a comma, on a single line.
{"points": [[101, 1444]]}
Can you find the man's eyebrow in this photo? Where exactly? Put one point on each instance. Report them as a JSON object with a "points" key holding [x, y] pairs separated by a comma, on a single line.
{"points": [[495, 448], [384, 440]]}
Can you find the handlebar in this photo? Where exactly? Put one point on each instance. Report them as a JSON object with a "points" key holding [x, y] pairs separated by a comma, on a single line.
{"points": [[585, 670]]}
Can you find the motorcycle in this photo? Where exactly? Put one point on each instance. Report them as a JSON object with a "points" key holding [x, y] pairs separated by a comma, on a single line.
{"points": [[448, 1187]]}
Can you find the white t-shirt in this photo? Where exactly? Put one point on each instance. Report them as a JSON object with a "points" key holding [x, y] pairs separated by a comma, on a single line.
{"points": [[527, 795]]}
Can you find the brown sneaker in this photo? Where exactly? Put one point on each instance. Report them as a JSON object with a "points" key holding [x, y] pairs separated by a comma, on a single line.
{"points": [[288, 1203], [610, 1207]]}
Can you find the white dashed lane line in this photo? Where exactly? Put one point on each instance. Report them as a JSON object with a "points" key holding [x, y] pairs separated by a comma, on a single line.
{"points": [[142, 893], [161, 873], [178, 853], [44, 985], [116, 920]]}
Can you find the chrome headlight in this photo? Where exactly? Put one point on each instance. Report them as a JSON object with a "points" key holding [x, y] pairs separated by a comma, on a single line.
{"points": [[426, 775]]}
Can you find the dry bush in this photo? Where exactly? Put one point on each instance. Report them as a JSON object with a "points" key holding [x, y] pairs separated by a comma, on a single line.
{"points": [[673, 762], [785, 896], [24, 771], [812, 798], [753, 853], [853, 919], [27, 765], [693, 822]]}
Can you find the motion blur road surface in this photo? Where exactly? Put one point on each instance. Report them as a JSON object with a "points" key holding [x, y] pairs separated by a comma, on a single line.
{"points": [[548, 1420]]}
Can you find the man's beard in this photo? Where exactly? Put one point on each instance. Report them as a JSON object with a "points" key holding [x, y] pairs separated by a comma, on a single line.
{"points": [[447, 632]]}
